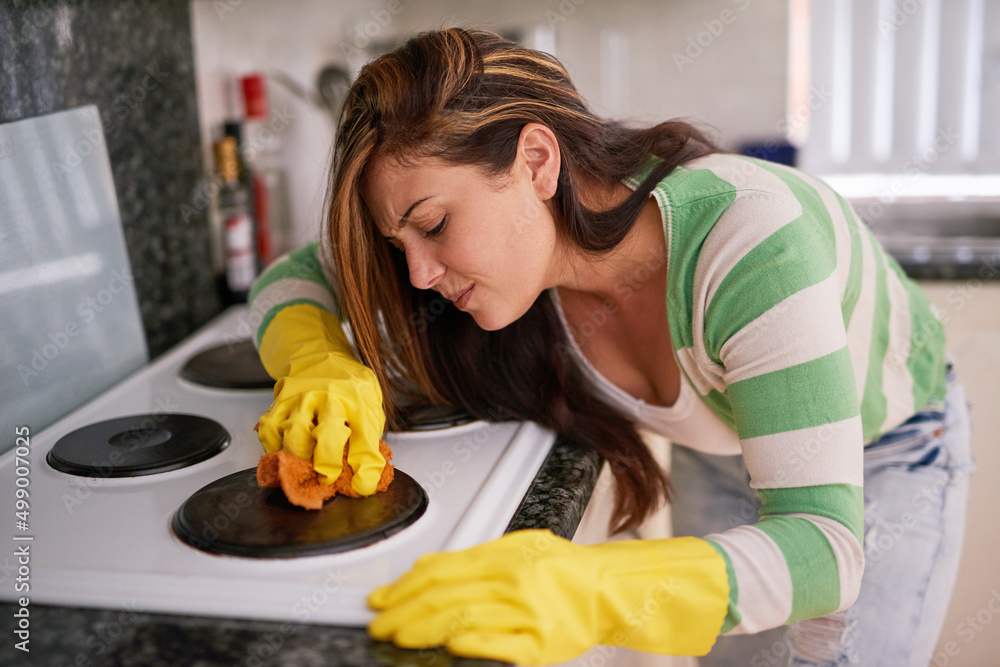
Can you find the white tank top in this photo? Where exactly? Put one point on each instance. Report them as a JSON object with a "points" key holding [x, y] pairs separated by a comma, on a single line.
{"points": [[687, 422]]}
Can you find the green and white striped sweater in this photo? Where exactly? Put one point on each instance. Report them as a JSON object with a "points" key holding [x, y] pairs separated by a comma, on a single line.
{"points": [[805, 338], [783, 311]]}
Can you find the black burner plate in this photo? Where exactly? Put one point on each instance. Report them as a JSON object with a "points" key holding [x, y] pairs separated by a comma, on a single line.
{"points": [[233, 516], [136, 445], [235, 366], [431, 417]]}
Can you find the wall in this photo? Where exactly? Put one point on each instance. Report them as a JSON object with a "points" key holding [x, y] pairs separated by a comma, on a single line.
{"points": [[133, 59], [720, 62]]}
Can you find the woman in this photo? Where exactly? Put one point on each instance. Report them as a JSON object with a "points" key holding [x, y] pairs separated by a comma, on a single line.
{"points": [[599, 279]]}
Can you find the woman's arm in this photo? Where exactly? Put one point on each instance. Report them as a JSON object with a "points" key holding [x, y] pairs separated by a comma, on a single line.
{"points": [[298, 277], [768, 348], [325, 400]]}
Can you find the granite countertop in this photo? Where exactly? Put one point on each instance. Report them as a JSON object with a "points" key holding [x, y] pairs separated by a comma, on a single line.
{"points": [[90, 637]]}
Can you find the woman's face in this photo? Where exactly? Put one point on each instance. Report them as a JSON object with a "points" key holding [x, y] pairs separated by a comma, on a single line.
{"points": [[489, 248]]}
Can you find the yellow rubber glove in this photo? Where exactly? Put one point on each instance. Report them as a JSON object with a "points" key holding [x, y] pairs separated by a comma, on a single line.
{"points": [[533, 598], [323, 396]]}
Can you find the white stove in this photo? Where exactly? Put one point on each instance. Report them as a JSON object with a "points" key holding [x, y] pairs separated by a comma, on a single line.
{"points": [[104, 541]]}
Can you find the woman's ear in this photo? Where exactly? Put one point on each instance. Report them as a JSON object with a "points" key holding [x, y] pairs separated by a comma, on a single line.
{"points": [[539, 149]]}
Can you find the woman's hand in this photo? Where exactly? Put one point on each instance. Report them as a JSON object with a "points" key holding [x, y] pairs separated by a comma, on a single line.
{"points": [[534, 598], [324, 397]]}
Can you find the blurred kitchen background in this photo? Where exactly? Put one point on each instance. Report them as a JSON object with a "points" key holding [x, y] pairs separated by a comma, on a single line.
{"points": [[895, 102]]}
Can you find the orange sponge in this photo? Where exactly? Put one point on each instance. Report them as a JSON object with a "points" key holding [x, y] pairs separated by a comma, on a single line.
{"points": [[301, 482]]}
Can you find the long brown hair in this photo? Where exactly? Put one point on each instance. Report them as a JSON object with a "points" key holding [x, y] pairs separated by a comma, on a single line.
{"points": [[463, 96]]}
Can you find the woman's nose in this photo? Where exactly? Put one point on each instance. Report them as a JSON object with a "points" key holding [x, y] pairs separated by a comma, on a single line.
{"points": [[425, 270]]}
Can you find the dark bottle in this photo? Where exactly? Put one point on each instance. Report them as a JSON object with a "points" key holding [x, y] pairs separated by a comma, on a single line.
{"points": [[237, 223], [255, 184]]}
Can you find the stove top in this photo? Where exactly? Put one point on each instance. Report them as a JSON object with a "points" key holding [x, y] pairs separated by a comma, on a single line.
{"points": [[266, 525], [229, 366], [144, 444], [126, 524]]}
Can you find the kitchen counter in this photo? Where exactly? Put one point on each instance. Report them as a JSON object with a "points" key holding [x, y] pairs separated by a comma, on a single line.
{"points": [[84, 637]]}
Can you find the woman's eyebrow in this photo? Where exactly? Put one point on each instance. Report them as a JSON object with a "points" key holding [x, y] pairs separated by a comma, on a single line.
{"points": [[406, 216]]}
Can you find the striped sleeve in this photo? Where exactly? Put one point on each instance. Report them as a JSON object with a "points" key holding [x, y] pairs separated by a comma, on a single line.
{"points": [[295, 278], [765, 343]]}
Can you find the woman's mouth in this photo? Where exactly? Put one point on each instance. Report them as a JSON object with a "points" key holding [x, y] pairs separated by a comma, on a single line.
{"points": [[461, 299]]}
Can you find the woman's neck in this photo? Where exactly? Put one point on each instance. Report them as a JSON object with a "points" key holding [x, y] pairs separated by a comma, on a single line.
{"points": [[626, 270]]}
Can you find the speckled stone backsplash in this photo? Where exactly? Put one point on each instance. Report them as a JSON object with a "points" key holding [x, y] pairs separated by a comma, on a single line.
{"points": [[133, 59]]}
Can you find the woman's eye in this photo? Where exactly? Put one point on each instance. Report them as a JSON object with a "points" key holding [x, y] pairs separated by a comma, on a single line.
{"points": [[437, 230]]}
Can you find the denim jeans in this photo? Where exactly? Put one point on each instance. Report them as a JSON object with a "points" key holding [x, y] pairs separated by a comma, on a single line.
{"points": [[916, 485]]}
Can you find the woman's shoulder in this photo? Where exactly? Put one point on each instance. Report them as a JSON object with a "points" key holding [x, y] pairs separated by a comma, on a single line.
{"points": [[722, 207], [725, 178]]}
